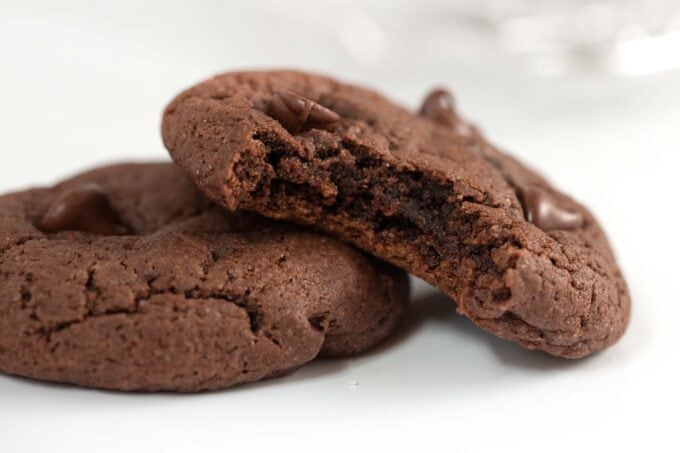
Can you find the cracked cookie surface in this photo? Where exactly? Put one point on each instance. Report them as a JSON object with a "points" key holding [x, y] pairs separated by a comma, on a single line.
{"points": [[184, 296], [521, 259]]}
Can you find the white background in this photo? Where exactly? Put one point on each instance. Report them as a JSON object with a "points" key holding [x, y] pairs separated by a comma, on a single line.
{"points": [[84, 83]]}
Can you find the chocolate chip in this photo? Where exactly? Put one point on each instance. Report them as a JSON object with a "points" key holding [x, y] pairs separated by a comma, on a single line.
{"points": [[84, 207], [440, 107], [296, 112], [546, 212]]}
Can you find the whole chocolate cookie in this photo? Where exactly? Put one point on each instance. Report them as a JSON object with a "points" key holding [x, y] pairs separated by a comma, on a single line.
{"points": [[424, 192], [127, 278]]}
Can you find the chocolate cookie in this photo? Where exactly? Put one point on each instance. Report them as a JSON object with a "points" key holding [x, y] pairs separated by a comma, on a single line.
{"points": [[127, 278], [424, 192]]}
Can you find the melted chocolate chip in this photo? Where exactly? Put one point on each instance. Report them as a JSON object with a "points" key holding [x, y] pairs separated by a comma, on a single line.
{"points": [[296, 112], [544, 211], [84, 207], [440, 107]]}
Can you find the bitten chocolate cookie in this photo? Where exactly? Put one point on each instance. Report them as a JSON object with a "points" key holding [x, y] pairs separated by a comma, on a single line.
{"points": [[424, 192], [127, 278]]}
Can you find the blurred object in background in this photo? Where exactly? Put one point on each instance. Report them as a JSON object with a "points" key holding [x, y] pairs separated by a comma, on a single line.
{"points": [[550, 37], [624, 37]]}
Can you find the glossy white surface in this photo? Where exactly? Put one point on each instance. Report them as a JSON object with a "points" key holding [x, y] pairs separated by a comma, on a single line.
{"points": [[83, 83]]}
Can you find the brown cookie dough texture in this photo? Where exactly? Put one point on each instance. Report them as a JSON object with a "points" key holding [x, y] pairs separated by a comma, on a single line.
{"points": [[140, 283], [424, 192]]}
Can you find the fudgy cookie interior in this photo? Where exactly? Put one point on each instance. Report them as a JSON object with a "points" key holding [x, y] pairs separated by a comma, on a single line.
{"points": [[388, 203]]}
